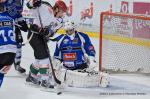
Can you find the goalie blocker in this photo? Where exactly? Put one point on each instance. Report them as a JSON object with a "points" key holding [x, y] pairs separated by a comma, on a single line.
{"points": [[75, 52]]}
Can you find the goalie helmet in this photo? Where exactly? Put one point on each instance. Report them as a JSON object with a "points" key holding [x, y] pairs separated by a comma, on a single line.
{"points": [[61, 5], [69, 25]]}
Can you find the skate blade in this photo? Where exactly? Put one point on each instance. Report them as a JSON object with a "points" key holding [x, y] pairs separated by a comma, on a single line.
{"points": [[22, 74], [52, 90], [32, 85]]}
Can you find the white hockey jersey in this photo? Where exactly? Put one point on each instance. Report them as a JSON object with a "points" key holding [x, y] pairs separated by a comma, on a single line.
{"points": [[43, 16]]}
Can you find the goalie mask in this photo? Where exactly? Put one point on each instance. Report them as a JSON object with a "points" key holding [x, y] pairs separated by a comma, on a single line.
{"points": [[69, 27]]}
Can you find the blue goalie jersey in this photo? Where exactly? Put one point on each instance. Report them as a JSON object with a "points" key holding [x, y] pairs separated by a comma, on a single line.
{"points": [[71, 52], [7, 35]]}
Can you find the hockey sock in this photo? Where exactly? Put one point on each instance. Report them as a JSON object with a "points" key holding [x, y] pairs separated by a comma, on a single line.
{"points": [[18, 56], [34, 69], [44, 72], [1, 78]]}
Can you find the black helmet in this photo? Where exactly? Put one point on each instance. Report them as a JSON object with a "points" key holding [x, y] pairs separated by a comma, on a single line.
{"points": [[2, 7]]}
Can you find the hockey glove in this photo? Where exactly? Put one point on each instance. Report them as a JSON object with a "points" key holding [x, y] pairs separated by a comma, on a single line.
{"points": [[34, 28], [36, 3], [46, 32], [23, 25], [19, 38]]}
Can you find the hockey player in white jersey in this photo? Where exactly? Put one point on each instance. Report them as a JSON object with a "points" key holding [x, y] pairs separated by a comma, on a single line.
{"points": [[46, 23], [76, 54], [7, 42]]}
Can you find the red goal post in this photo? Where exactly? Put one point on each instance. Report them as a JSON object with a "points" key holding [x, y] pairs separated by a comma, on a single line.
{"points": [[119, 35]]}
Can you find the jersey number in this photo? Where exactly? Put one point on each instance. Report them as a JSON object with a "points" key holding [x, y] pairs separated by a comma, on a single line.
{"points": [[6, 36]]}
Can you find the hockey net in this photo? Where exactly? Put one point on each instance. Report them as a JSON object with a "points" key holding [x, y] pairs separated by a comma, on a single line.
{"points": [[124, 42]]}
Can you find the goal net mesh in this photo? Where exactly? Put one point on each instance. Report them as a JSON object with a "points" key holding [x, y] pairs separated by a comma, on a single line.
{"points": [[125, 42]]}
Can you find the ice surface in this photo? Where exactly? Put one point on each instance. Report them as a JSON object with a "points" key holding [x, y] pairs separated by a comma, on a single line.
{"points": [[122, 86]]}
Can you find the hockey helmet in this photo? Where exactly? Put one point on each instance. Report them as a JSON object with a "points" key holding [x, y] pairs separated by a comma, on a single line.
{"points": [[61, 5], [69, 25], [2, 7]]}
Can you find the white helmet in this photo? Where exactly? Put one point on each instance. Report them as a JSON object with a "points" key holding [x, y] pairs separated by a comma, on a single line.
{"points": [[69, 25]]}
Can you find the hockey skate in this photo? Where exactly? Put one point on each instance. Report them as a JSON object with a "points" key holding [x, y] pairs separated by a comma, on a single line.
{"points": [[49, 87], [32, 81], [20, 69], [46, 84]]}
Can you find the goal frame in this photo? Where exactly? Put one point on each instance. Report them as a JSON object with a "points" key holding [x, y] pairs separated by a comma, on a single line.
{"points": [[135, 16]]}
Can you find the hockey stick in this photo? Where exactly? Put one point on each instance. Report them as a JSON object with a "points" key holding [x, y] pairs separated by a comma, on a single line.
{"points": [[29, 39], [48, 51]]}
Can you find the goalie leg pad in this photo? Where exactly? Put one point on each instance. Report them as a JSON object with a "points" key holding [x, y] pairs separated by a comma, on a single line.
{"points": [[83, 79], [104, 82]]}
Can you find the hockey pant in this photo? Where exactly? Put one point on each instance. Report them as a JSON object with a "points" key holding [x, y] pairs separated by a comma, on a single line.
{"points": [[5, 63]]}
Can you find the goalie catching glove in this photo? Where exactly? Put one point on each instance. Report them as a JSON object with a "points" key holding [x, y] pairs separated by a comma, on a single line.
{"points": [[37, 3]]}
